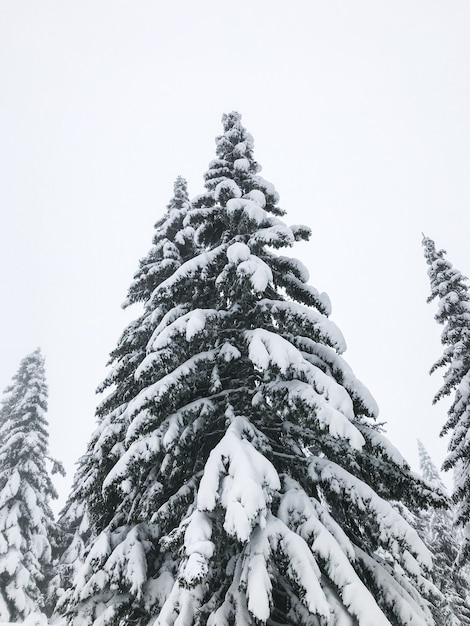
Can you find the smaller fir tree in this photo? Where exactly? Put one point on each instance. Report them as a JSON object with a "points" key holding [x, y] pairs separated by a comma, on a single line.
{"points": [[27, 529], [450, 288], [436, 526]]}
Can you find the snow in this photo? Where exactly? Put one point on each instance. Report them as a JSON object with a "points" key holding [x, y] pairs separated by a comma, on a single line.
{"points": [[259, 272], [242, 146], [331, 403], [256, 196], [394, 530], [404, 605], [11, 561], [33, 619], [266, 348], [189, 324], [242, 165], [158, 389], [229, 352], [189, 268], [238, 252], [377, 440], [128, 562], [198, 534], [259, 588], [11, 488], [251, 209], [229, 186], [271, 235], [268, 188], [169, 317], [298, 266], [199, 547], [196, 322], [354, 386], [325, 328], [250, 265], [301, 566], [241, 479], [144, 448], [335, 550]]}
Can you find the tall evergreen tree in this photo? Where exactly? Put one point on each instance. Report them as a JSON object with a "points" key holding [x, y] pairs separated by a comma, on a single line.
{"points": [[253, 484], [27, 528], [450, 288], [439, 535]]}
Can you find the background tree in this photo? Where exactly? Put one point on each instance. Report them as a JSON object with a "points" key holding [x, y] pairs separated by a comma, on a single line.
{"points": [[438, 532], [450, 288], [27, 529], [253, 483]]}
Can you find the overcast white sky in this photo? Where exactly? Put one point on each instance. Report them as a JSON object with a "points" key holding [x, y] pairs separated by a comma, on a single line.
{"points": [[361, 117]]}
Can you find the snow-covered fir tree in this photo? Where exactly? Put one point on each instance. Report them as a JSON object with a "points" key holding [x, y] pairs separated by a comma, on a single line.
{"points": [[450, 288], [248, 481], [28, 533], [436, 526]]}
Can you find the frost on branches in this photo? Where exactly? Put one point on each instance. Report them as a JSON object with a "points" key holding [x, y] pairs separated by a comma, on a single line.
{"points": [[450, 289], [238, 475], [27, 529]]}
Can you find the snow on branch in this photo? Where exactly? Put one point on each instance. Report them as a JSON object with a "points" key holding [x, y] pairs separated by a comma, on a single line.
{"points": [[153, 393], [268, 544], [395, 532], [187, 324], [395, 595], [248, 264], [342, 372], [321, 411], [320, 325], [239, 478], [331, 403], [191, 267], [162, 438], [306, 515], [380, 442]]}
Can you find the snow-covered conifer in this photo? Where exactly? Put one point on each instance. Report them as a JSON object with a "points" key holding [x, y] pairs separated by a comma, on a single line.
{"points": [[436, 526], [429, 471], [27, 528], [253, 484], [450, 288]]}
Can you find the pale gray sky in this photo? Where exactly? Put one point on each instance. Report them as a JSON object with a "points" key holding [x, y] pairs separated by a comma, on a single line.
{"points": [[360, 114]]}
